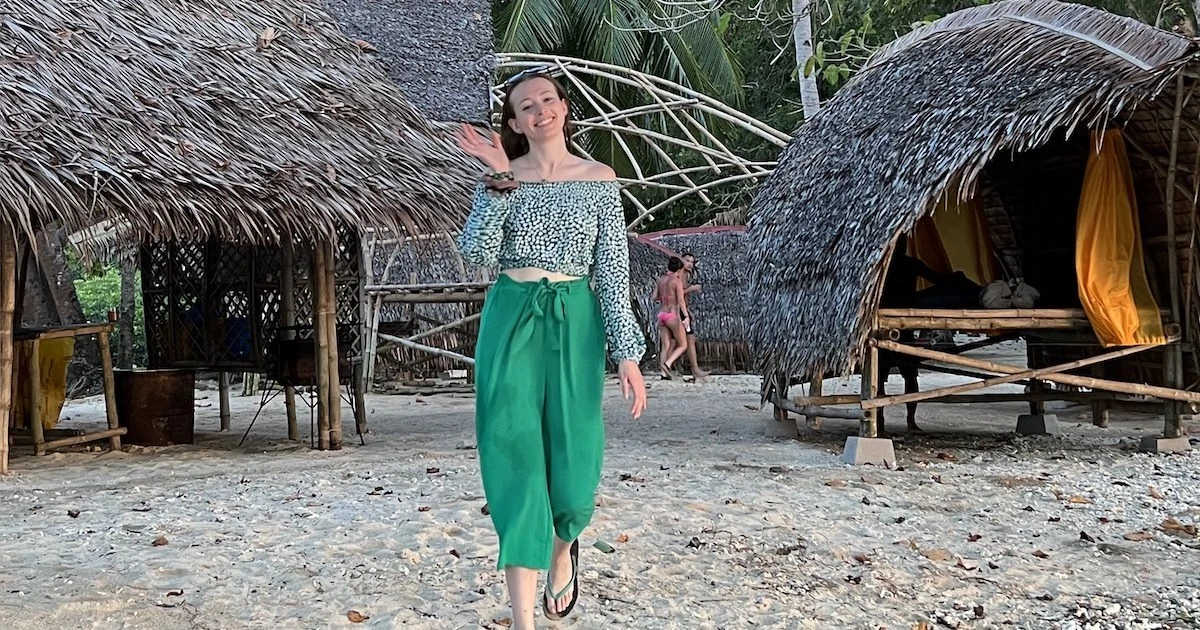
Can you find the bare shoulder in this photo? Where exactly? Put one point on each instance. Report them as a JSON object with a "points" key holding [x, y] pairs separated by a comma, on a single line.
{"points": [[591, 170]]}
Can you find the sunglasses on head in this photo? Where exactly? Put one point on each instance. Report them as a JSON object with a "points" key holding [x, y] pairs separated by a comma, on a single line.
{"points": [[528, 72]]}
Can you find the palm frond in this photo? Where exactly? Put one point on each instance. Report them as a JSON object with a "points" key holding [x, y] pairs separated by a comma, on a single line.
{"points": [[531, 26]]}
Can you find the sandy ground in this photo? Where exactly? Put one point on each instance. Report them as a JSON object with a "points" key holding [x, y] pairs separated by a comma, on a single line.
{"points": [[715, 524]]}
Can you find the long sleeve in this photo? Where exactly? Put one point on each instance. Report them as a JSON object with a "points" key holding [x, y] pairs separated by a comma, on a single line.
{"points": [[611, 271], [484, 231]]}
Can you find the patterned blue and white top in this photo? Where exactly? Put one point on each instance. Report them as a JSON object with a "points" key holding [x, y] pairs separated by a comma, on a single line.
{"points": [[576, 228]]}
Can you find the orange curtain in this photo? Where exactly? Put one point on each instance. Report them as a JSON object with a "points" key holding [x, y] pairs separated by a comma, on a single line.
{"points": [[1108, 251], [955, 238]]}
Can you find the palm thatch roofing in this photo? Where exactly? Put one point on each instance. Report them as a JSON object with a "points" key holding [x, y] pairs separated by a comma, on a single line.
{"points": [[719, 316], [246, 121], [932, 108], [438, 51]]}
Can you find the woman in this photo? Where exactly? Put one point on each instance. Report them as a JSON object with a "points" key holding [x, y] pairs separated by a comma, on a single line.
{"points": [[548, 219], [672, 317]]}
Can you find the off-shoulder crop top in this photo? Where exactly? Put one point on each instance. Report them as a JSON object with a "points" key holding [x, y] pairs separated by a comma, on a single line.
{"points": [[575, 228]]}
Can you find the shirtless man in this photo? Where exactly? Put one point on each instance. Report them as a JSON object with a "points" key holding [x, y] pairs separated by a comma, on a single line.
{"points": [[688, 273], [672, 313]]}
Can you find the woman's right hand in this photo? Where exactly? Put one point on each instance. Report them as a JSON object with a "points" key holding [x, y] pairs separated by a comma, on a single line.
{"points": [[492, 155]]}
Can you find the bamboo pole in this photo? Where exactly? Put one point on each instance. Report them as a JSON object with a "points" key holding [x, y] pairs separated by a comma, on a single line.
{"points": [[458, 323], [320, 306], [971, 324], [335, 377], [1006, 379], [223, 391], [287, 287], [34, 376], [8, 299], [110, 390], [833, 399], [1172, 358], [1164, 393], [430, 349], [376, 312], [110, 434], [818, 411], [985, 313]]}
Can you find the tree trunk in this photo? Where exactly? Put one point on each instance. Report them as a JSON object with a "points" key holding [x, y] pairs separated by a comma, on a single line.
{"points": [[802, 32], [84, 374]]}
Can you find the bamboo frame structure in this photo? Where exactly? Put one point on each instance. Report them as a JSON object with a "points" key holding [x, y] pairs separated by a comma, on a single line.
{"points": [[681, 108]]}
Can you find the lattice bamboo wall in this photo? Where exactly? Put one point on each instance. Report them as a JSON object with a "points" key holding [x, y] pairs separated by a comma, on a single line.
{"points": [[217, 305]]}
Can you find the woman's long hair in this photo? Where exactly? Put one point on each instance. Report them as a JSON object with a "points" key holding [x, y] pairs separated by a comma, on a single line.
{"points": [[516, 144]]}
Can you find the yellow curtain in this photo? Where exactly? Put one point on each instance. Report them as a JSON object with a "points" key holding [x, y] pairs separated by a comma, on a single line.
{"points": [[955, 238], [55, 357], [1108, 251]]}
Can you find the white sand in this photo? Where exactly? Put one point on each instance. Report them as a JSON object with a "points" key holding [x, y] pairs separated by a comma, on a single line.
{"points": [[782, 535]]}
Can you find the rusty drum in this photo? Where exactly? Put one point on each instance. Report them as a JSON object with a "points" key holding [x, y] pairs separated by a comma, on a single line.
{"points": [[157, 406]]}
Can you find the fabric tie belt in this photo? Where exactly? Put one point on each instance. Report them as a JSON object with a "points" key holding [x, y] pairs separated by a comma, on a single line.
{"points": [[546, 302]]}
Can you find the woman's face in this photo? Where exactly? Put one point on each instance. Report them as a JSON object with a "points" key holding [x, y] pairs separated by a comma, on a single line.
{"points": [[538, 111]]}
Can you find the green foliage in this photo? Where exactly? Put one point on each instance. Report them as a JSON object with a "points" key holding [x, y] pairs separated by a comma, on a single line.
{"points": [[99, 290]]}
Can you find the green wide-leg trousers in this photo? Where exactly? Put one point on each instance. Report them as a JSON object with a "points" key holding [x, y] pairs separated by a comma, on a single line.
{"points": [[539, 370]]}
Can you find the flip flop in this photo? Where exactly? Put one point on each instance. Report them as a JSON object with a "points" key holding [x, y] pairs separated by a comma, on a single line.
{"points": [[573, 585]]}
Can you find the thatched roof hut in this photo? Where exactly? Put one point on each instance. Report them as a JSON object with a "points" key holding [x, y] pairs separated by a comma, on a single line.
{"points": [[718, 307], [1000, 98], [245, 121], [438, 51], [245, 145]]}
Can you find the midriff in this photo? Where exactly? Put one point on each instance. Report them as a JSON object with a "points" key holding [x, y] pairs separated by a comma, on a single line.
{"points": [[535, 274]]}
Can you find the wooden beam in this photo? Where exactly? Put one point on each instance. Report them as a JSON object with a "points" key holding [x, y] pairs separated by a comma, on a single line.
{"points": [[109, 434], [433, 298], [287, 289], [1164, 393], [1003, 380], [971, 324], [1172, 359]]}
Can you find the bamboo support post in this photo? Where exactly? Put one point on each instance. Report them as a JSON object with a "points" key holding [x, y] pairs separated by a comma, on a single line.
{"points": [[868, 426], [320, 362], [288, 289], [223, 391], [1037, 405], [110, 391], [1135, 389], [375, 314], [1172, 358], [34, 376], [1101, 407], [8, 300], [1003, 380], [360, 400], [815, 389], [335, 377]]}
